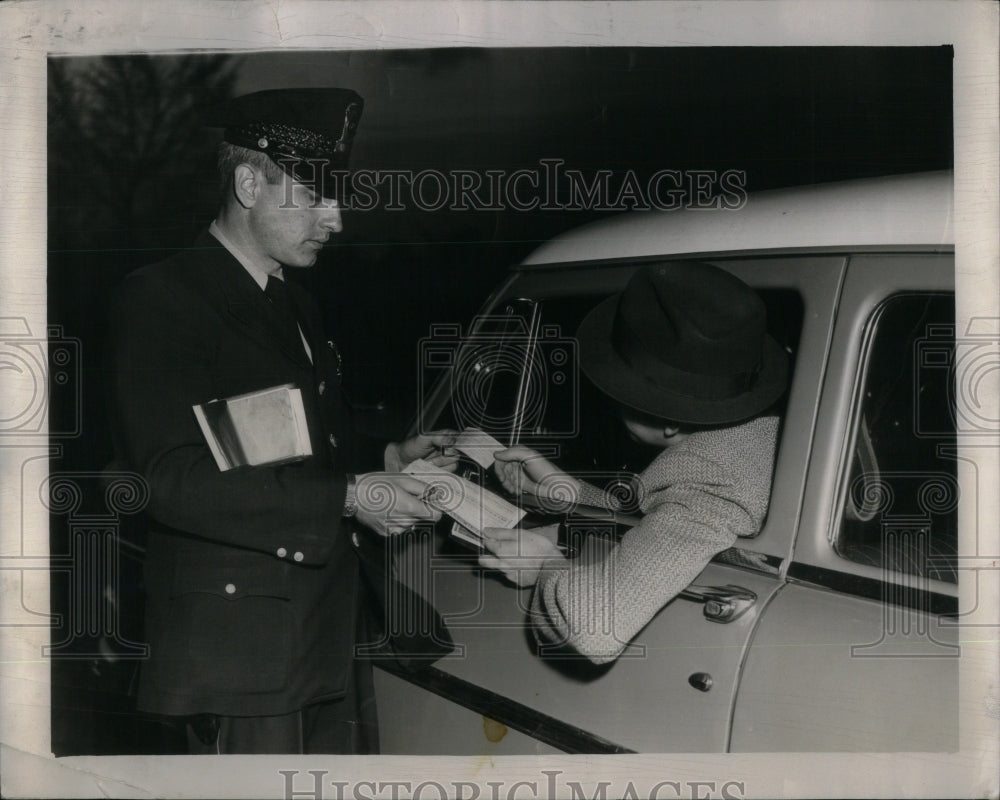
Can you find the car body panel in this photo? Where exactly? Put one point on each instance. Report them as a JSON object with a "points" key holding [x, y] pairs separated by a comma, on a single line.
{"points": [[819, 677], [894, 211], [486, 617], [426, 723]]}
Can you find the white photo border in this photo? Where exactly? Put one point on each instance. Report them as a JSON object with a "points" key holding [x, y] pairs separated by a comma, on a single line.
{"points": [[32, 30]]}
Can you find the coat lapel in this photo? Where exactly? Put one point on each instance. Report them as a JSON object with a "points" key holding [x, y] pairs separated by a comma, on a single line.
{"points": [[312, 325], [244, 301]]}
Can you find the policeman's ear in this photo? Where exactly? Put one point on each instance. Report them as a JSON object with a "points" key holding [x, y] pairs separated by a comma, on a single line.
{"points": [[246, 185]]}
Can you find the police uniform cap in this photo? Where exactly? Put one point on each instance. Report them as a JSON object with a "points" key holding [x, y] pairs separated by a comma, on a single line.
{"points": [[306, 132]]}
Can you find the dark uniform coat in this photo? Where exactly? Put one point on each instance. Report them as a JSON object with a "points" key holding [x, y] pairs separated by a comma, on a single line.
{"points": [[251, 576]]}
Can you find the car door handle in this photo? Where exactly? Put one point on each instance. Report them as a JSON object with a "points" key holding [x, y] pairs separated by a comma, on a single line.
{"points": [[722, 603]]}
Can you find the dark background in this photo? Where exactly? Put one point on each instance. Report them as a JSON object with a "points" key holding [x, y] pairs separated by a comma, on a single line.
{"points": [[132, 178]]}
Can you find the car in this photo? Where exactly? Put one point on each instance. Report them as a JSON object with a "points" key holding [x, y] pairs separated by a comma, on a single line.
{"points": [[834, 628]]}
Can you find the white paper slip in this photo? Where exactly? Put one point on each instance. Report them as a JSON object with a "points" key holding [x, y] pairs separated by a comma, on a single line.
{"points": [[460, 532], [478, 445], [466, 502]]}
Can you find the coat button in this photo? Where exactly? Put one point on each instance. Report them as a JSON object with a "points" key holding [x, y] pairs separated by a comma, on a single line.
{"points": [[322, 387], [230, 588], [282, 552], [298, 556], [354, 539]]}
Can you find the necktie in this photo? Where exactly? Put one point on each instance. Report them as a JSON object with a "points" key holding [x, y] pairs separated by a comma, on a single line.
{"points": [[277, 292]]}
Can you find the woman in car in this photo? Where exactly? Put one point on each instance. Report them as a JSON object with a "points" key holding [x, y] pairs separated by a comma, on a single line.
{"points": [[684, 354]]}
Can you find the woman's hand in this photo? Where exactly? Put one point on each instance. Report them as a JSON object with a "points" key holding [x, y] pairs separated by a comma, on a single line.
{"points": [[521, 470], [522, 555], [434, 447]]}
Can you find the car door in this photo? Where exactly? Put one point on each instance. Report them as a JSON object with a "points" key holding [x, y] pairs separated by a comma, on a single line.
{"points": [[673, 689], [859, 650]]}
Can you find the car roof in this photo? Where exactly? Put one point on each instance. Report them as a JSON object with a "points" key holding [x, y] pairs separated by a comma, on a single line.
{"points": [[894, 212]]}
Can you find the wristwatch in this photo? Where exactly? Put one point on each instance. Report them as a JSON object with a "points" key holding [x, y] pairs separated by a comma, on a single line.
{"points": [[350, 497]]}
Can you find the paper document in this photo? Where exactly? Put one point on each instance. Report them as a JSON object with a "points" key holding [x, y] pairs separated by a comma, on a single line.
{"points": [[468, 503], [478, 445]]}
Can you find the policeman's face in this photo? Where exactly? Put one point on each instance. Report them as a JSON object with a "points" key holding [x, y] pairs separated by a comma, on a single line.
{"points": [[290, 222]]}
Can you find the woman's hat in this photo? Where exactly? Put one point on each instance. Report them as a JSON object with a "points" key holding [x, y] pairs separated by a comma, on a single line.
{"points": [[685, 341]]}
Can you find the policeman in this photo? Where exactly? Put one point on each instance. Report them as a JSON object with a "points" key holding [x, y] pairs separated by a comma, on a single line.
{"points": [[251, 574]]}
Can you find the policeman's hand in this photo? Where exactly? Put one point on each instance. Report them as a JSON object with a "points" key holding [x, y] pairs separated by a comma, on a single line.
{"points": [[522, 555], [434, 447], [390, 504], [523, 471]]}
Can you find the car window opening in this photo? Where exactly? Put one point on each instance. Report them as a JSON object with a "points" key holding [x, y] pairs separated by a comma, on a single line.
{"points": [[900, 496], [519, 364]]}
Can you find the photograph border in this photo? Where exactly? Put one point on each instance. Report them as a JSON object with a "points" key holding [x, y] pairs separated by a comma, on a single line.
{"points": [[33, 30]]}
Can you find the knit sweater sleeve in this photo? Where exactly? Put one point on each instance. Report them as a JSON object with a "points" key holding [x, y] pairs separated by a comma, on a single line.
{"points": [[590, 495], [699, 500]]}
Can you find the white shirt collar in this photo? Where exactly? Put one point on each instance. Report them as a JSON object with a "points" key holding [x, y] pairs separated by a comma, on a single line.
{"points": [[259, 274]]}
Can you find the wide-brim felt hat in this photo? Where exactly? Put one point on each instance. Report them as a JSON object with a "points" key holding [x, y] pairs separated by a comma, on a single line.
{"points": [[307, 132], [687, 342]]}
